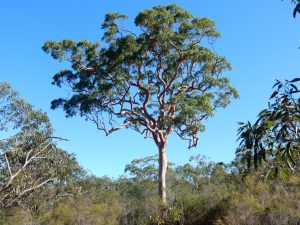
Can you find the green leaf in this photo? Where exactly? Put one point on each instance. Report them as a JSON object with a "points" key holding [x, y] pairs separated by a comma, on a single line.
{"points": [[295, 80], [274, 94]]}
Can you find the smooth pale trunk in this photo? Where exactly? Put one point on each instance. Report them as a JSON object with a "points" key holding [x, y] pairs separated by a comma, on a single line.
{"points": [[163, 165]]}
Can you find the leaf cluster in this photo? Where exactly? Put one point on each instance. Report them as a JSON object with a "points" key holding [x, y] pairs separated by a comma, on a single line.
{"points": [[275, 135]]}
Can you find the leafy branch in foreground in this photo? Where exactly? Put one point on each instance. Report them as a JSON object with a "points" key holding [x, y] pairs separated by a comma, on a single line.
{"points": [[275, 135]]}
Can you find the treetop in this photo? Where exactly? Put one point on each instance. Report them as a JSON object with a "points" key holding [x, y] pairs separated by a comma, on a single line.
{"points": [[161, 78]]}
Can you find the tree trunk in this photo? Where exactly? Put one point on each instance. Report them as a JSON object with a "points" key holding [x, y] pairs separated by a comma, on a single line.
{"points": [[163, 165]]}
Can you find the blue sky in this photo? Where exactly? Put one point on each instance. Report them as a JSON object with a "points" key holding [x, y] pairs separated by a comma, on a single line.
{"points": [[259, 38]]}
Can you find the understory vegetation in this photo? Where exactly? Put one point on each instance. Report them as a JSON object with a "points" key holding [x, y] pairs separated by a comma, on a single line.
{"points": [[200, 192]]}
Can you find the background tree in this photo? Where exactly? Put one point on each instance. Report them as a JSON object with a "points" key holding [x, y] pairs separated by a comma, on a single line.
{"points": [[161, 79], [29, 158], [139, 186]]}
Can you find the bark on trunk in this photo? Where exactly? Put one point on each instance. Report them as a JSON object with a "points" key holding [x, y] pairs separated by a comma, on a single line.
{"points": [[163, 165]]}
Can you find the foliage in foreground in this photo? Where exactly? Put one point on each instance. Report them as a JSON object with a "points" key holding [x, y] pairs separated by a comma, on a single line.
{"points": [[273, 140]]}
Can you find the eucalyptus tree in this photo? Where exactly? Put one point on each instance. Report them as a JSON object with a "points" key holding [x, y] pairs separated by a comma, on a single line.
{"points": [[160, 78], [29, 157]]}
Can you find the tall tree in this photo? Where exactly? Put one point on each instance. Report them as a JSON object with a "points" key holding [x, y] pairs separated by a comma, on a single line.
{"points": [[165, 77]]}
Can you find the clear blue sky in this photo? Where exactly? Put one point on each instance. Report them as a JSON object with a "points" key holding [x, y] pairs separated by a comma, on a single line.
{"points": [[259, 38]]}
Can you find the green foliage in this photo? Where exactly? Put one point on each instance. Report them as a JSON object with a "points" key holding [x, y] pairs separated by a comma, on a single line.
{"points": [[32, 167], [61, 215], [99, 202], [139, 187], [297, 7], [174, 216], [158, 79], [275, 136], [143, 169], [220, 197]]}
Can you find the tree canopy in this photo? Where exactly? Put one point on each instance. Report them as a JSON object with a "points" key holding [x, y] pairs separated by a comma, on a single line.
{"points": [[158, 79]]}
